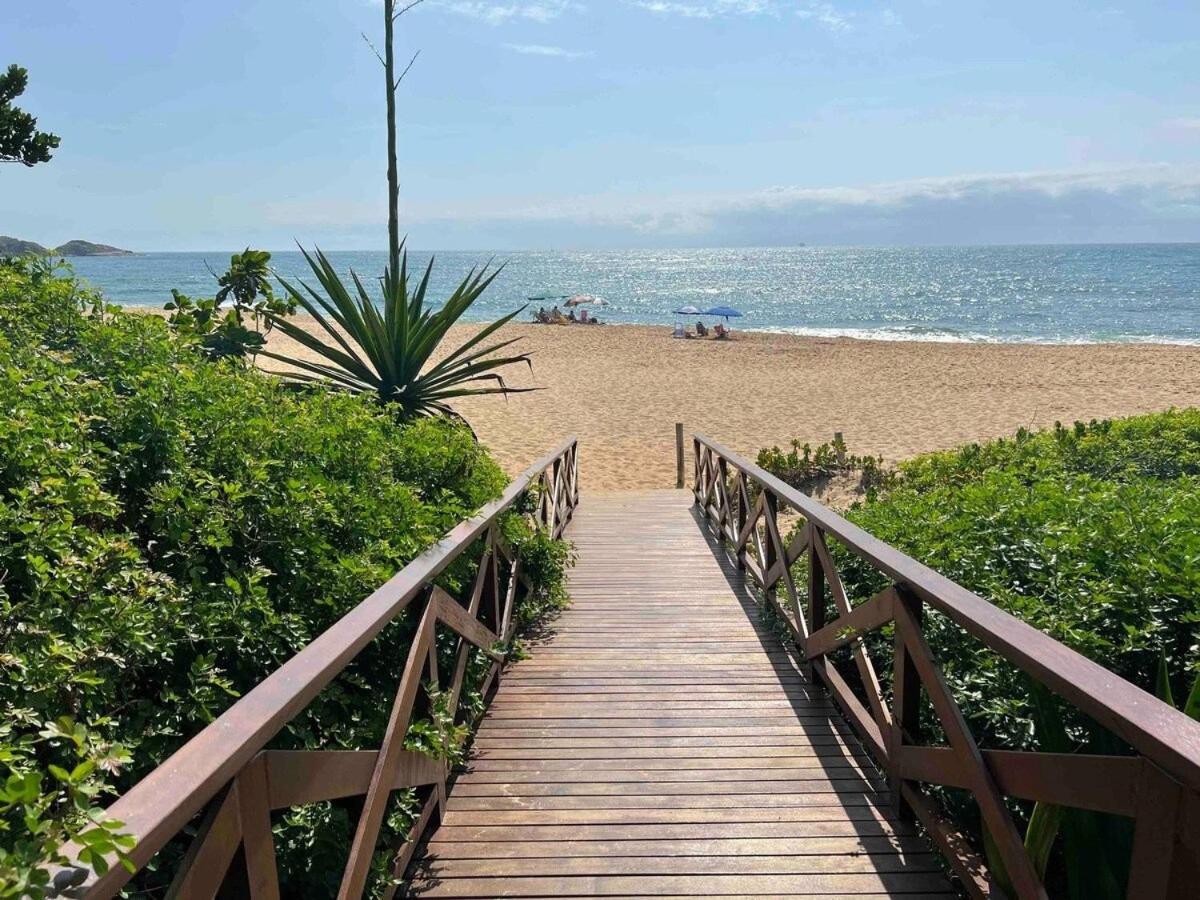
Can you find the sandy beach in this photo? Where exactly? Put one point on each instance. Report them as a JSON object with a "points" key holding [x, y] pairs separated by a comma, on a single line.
{"points": [[620, 389]]}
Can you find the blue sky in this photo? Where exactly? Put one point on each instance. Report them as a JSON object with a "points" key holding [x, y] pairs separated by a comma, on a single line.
{"points": [[611, 123]]}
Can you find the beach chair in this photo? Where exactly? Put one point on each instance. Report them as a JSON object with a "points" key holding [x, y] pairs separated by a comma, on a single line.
{"points": [[721, 333], [679, 332]]}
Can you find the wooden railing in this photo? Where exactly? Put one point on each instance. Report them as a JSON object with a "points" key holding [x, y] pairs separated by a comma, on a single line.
{"points": [[226, 772], [1158, 785]]}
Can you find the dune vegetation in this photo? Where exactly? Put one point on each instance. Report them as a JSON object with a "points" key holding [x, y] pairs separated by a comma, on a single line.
{"points": [[1086, 532], [173, 527]]}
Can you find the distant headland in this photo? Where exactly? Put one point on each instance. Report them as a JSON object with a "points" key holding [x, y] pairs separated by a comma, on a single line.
{"points": [[10, 246]]}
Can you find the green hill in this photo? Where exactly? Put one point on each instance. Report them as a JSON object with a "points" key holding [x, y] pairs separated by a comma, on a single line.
{"points": [[10, 246], [87, 248]]}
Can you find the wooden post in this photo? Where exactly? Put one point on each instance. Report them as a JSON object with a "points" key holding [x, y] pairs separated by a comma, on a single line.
{"points": [[679, 455], [771, 514], [906, 704], [816, 583], [1155, 830]]}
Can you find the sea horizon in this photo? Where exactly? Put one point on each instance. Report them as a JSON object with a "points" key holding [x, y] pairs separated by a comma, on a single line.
{"points": [[994, 293]]}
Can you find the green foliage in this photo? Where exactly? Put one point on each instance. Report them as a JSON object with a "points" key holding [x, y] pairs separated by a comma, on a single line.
{"points": [[388, 354], [49, 798], [1160, 446], [1191, 708], [1162, 690], [544, 564], [439, 735], [20, 141], [806, 469], [172, 530], [238, 330], [1088, 534]]}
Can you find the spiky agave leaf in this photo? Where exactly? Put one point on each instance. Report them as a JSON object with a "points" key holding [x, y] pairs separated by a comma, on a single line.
{"points": [[385, 349]]}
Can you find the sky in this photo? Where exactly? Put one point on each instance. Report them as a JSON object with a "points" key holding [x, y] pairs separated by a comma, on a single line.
{"points": [[564, 124]]}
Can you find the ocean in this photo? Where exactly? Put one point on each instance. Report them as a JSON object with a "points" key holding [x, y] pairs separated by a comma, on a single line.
{"points": [[1043, 294]]}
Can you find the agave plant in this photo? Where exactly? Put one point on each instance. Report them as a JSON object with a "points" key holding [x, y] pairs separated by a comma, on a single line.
{"points": [[385, 349]]}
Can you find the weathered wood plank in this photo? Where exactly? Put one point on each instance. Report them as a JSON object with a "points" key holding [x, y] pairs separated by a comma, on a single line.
{"points": [[887, 884], [661, 741], [626, 847]]}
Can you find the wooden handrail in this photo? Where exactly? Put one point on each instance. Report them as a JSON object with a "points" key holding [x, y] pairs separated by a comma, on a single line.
{"points": [[1160, 788], [225, 766]]}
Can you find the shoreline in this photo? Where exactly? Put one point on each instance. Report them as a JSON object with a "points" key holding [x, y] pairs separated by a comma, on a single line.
{"points": [[866, 335], [621, 388]]}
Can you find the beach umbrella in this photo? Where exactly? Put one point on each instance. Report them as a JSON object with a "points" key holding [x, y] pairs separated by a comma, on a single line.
{"points": [[725, 312], [580, 299], [688, 311]]}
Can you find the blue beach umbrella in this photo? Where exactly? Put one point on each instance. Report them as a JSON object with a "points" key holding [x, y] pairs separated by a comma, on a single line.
{"points": [[725, 312]]}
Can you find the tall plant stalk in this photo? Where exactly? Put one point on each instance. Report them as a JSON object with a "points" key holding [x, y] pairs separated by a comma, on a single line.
{"points": [[393, 84], [386, 350]]}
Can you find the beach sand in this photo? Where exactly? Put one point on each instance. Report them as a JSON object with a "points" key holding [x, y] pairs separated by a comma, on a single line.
{"points": [[621, 389]]}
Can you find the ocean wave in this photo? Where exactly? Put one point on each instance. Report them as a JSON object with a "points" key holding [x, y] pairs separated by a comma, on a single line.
{"points": [[917, 333]]}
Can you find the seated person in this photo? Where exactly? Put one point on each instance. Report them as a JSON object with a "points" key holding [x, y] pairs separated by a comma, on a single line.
{"points": [[721, 333], [701, 331]]}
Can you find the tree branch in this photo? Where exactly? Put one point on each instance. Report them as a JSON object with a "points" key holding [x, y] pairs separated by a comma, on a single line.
{"points": [[406, 8], [373, 50], [396, 83]]}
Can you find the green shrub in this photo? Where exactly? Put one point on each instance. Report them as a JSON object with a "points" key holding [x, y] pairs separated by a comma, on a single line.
{"points": [[48, 798], [172, 529], [1087, 533], [237, 331], [806, 469]]}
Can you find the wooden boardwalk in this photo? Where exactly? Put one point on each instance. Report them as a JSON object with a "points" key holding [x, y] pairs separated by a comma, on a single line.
{"points": [[661, 742]]}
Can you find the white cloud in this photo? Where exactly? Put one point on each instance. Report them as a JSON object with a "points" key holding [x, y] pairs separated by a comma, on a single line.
{"points": [[546, 50], [1141, 203], [497, 13], [826, 14], [709, 9], [819, 12]]}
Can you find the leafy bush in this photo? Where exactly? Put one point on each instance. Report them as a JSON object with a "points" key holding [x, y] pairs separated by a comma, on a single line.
{"points": [[1087, 533], [805, 469], [241, 330], [172, 529], [48, 799]]}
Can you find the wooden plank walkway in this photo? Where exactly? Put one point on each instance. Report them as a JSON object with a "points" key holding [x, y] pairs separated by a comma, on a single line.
{"points": [[660, 742]]}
